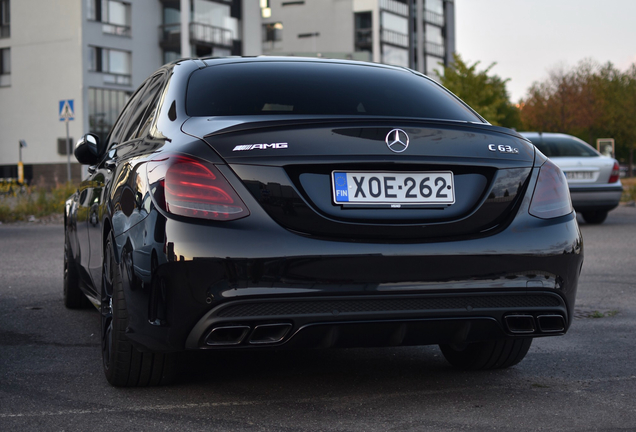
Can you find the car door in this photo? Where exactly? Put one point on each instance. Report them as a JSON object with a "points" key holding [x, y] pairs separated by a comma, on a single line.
{"points": [[91, 191], [115, 166]]}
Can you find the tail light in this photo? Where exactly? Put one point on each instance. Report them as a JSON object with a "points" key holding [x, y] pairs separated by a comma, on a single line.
{"points": [[551, 196], [185, 186], [616, 172]]}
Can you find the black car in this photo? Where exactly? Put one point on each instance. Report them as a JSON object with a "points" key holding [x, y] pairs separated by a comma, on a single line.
{"points": [[255, 203]]}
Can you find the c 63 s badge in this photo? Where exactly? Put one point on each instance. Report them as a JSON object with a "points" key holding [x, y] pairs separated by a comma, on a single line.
{"points": [[260, 146], [502, 148]]}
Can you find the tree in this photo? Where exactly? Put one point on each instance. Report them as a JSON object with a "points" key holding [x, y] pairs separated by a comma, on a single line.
{"points": [[589, 101], [485, 93]]}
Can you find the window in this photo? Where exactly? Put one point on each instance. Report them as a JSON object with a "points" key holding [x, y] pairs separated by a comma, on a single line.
{"points": [[309, 88], [395, 29], [215, 15], [432, 64], [564, 147], [5, 19], [5, 67], [144, 111], [272, 36], [363, 31], [114, 14], [104, 106], [395, 56], [436, 6], [116, 65]]}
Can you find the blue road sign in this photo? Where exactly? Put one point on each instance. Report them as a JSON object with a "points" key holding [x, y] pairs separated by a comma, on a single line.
{"points": [[66, 110]]}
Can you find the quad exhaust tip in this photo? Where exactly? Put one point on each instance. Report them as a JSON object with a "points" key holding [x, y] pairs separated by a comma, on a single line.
{"points": [[235, 334], [551, 323], [520, 324], [227, 335], [269, 333]]}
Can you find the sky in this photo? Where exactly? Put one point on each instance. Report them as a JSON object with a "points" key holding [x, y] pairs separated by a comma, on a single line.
{"points": [[528, 38]]}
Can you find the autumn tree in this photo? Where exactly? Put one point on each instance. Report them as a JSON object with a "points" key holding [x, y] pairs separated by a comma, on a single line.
{"points": [[589, 101], [486, 93]]}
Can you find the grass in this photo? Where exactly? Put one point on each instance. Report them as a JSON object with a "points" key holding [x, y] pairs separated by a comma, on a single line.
{"points": [[597, 314], [35, 202], [629, 189]]}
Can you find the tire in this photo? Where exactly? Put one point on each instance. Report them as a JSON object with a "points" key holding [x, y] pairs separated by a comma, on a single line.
{"points": [[124, 365], [595, 217], [487, 355], [74, 298]]}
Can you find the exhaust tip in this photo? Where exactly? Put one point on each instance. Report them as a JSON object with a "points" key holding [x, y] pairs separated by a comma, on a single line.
{"points": [[269, 333], [520, 324], [227, 335], [551, 323]]}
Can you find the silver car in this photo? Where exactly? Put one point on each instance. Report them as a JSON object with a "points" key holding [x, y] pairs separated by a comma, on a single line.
{"points": [[594, 182]]}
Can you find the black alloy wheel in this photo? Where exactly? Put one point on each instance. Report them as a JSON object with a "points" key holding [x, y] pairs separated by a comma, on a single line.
{"points": [[595, 217], [487, 355], [74, 298], [125, 365]]}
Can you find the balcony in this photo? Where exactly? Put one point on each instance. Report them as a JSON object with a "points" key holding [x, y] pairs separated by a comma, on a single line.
{"points": [[433, 18], [395, 38], [170, 35], [435, 49], [395, 7], [116, 29]]}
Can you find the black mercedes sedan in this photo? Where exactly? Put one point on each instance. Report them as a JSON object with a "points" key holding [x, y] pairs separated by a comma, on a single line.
{"points": [[272, 203]]}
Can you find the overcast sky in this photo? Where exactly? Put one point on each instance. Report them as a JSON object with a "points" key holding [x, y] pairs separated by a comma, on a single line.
{"points": [[529, 37]]}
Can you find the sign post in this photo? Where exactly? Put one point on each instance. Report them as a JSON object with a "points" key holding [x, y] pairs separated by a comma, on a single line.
{"points": [[67, 114], [20, 164]]}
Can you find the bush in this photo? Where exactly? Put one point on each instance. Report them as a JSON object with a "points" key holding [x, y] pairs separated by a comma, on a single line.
{"points": [[35, 201]]}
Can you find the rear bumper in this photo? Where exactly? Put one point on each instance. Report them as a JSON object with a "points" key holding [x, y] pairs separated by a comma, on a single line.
{"points": [[356, 321], [602, 197], [247, 275]]}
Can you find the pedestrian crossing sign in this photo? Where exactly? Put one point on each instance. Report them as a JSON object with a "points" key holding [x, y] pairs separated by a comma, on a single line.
{"points": [[66, 110]]}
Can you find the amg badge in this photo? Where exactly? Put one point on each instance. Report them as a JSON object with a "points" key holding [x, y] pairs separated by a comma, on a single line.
{"points": [[260, 146]]}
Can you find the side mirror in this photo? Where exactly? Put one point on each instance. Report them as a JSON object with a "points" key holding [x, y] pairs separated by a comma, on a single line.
{"points": [[87, 150]]}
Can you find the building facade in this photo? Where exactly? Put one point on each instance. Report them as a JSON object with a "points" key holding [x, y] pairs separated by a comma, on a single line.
{"points": [[419, 34], [97, 52]]}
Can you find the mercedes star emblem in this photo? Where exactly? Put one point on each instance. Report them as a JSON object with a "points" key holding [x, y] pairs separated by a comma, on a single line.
{"points": [[397, 140]]}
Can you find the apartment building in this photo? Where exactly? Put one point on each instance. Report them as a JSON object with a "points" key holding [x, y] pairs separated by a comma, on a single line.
{"points": [[414, 33], [97, 52]]}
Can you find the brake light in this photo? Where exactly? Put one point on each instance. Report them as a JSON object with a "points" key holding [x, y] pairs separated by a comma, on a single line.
{"points": [[185, 186], [616, 172], [551, 196]]}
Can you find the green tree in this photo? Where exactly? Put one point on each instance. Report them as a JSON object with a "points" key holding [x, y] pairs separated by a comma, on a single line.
{"points": [[486, 93]]}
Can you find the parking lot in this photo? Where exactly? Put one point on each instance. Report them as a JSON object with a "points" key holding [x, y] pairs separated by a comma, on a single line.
{"points": [[51, 376]]}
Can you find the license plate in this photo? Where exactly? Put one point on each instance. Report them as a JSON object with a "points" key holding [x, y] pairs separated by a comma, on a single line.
{"points": [[393, 189], [579, 175]]}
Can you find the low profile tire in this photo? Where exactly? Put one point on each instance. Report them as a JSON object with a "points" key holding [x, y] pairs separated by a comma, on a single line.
{"points": [[594, 217], [125, 365], [487, 355], [74, 298]]}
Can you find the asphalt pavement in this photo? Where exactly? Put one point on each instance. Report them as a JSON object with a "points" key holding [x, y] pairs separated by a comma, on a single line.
{"points": [[51, 375]]}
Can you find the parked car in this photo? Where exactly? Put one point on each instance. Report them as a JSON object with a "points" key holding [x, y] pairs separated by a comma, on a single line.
{"points": [[254, 203], [593, 179]]}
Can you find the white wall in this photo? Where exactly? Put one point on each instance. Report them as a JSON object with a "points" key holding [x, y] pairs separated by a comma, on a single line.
{"points": [[333, 19], [45, 68]]}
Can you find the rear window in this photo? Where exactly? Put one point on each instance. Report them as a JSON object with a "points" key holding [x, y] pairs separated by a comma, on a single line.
{"points": [[267, 88], [563, 147]]}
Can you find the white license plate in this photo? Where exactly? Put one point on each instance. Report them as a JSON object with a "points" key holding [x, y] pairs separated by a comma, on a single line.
{"points": [[579, 175], [393, 189]]}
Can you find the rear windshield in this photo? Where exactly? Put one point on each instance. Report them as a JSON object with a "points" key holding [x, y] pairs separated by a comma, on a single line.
{"points": [[563, 147], [311, 88]]}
